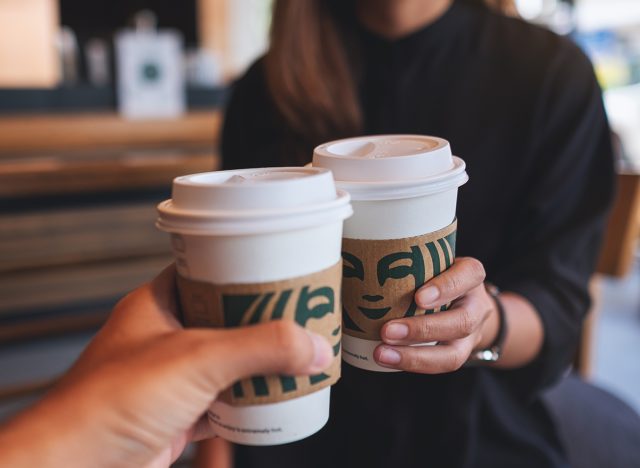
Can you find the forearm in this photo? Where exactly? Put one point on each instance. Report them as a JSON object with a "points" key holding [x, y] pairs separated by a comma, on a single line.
{"points": [[525, 332], [50, 434], [33, 439]]}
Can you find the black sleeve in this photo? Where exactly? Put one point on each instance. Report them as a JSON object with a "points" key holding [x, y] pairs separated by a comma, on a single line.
{"points": [[251, 132], [551, 251]]}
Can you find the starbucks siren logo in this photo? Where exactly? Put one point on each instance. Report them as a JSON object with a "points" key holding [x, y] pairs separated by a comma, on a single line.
{"points": [[380, 278]]}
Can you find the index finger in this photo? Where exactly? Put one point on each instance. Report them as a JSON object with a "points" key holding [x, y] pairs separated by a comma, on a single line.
{"points": [[143, 314], [164, 290], [465, 274]]}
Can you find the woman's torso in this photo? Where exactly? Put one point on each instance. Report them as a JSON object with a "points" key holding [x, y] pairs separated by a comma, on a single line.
{"points": [[476, 79]]}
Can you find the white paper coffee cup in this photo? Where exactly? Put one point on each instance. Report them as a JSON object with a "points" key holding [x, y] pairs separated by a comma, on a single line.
{"points": [[401, 186], [258, 226]]}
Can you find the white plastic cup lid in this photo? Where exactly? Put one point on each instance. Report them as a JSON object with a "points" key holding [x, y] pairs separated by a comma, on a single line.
{"points": [[251, 201], [391, 166]]}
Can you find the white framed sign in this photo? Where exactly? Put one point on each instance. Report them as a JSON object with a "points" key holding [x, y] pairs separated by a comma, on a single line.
{"points": [[150, 74]]}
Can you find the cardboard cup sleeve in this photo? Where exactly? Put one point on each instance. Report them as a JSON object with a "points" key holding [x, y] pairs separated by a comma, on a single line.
{"points": [[380, 278], [312, 301]]}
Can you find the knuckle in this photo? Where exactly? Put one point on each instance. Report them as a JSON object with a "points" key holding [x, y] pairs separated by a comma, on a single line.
{"points": [[457, 359], [449, 283], [197, 348], [467, 323], [285, 336], [424, 329], [289, 342], [411, 362], [444, 364], [487, 306], [477, 269]]}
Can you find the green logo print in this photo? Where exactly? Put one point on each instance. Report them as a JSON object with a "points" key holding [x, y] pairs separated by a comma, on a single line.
{"points": [[435, 258], [256, 308], [387, 270], [380, 277]]}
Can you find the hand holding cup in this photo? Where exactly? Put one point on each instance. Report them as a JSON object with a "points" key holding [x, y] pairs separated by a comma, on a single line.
{"points": [[403, 231], [140, 391], [458, 331]]}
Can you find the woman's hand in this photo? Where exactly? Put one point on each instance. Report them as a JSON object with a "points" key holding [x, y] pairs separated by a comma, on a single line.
{"points": [[469, 324], [138, 393]]}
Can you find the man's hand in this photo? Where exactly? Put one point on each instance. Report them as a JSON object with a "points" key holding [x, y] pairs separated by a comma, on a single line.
{"points": [[138, 393]]}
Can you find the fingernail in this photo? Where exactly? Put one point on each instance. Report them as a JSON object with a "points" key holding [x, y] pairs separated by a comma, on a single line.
{"points": [[428, 295], [322, 353], [396, 331], [389, 356]]}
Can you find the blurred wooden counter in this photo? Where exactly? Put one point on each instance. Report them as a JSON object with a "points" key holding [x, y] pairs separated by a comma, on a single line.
{"points": [[104, 172], [67, 154], [616, 258], [77, 211], [623, 229], [56, 132]]}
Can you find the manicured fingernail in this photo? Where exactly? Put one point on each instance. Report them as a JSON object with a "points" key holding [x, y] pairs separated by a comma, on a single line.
{"points": [[322, 353], [428, 295], [389, 356], [396, 331]]}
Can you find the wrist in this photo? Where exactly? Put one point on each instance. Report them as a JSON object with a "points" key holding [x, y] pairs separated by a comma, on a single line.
{"points": [[490, 327], [492, 352]]}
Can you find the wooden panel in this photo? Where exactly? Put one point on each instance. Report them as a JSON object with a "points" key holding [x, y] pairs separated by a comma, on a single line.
{"points": [[30, 388], [50, 133], [623, 229], [61, 286], [59, 175], [51, 325], [52, 238]]}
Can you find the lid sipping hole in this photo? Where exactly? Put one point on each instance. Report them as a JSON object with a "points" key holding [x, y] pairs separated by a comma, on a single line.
{"points": [[393, 148], [264, 176], [381, 148], [236, 179], [276, 175], [353, 149]]}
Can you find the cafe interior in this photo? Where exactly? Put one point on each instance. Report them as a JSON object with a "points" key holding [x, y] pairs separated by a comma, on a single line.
{"points": [[104, 103]]}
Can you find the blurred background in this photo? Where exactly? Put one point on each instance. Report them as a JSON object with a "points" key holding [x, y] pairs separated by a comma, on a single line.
{"points": [[103, 103]]}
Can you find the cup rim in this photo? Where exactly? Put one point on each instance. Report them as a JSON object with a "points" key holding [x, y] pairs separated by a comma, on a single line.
{"points": [[252, 222], [192, 180], [441, 146], [410, 188]]}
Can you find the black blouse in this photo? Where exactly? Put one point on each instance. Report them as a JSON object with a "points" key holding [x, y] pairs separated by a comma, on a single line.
{"points": [[522, 107]]}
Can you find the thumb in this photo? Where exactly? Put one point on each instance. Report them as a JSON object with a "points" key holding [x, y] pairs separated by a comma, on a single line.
{"points": [[279, 347]]}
